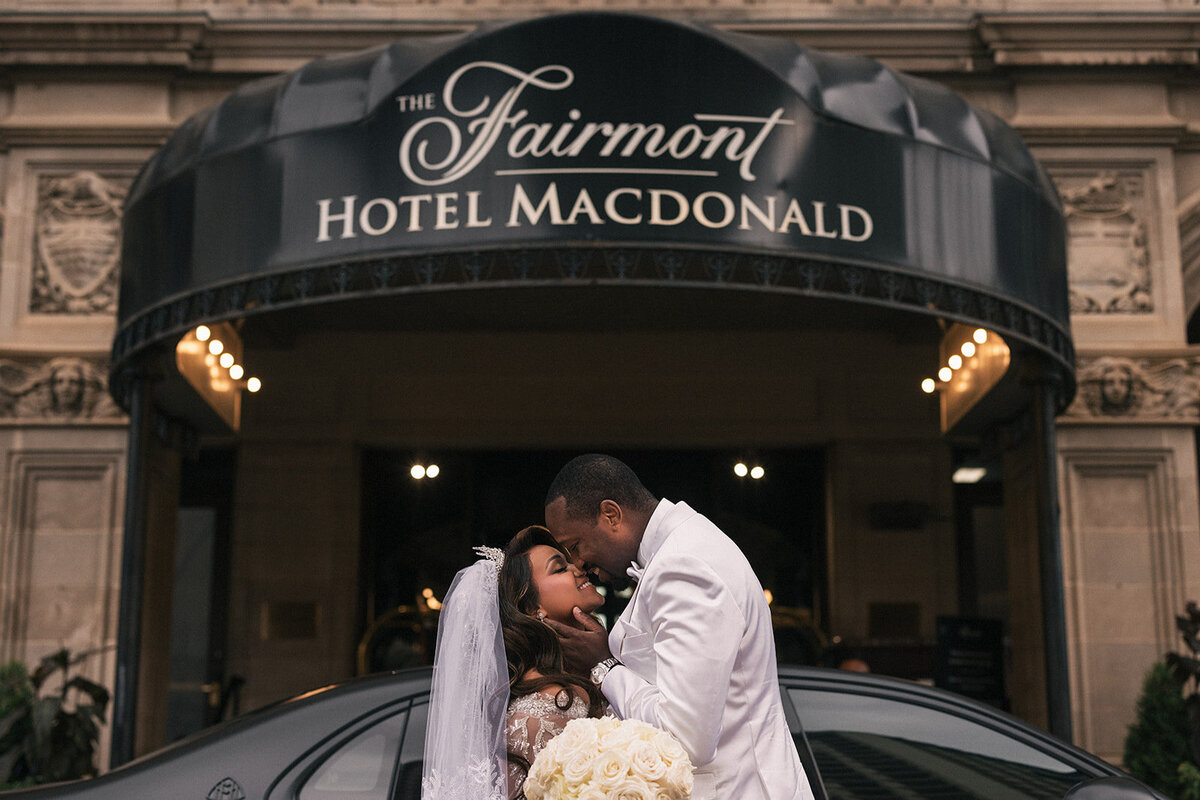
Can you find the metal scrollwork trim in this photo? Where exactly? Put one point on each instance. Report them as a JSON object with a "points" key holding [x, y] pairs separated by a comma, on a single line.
{"points": [[575, 266]]}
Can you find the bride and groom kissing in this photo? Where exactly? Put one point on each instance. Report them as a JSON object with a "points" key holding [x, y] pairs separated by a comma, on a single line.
{"points": [[519, 653]]}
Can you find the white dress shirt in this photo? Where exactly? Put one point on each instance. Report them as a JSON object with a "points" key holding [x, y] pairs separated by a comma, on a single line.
{"points": [[699, 656]]}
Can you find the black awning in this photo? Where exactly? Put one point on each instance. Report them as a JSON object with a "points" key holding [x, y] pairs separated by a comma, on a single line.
{"points": [[595, 148]]}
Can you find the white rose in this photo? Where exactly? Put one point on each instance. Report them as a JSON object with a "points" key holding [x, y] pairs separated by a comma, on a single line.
{"points": [[590, 792], [552, 788], [631, 788], [645, 761], [679, 775], [606, 723], [609, 767], [577, 765], [646, 730], [542, 769], [532, 790], [544, 774], [579, 734], [545, 759], [670, 749], [618, 737]]}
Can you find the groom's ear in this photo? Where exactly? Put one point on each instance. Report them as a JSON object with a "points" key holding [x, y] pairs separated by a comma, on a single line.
{"points": [[610, 514]]}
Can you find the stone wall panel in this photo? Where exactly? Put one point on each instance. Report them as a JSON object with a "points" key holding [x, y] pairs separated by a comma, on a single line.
{"points": [[1123, 261], [1123, 544]]}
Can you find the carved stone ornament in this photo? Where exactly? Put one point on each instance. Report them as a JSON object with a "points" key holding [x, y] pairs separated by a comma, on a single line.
{"points": [[1138, 388], [77, 244], [1108, 254], [56, 389]]}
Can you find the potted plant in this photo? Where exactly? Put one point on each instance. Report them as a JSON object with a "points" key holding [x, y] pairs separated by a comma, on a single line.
{"points": [[48, 735], [1186, 671], [1162, 748]]}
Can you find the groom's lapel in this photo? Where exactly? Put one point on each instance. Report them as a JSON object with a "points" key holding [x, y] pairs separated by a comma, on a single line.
{"points": [[680, 513]]}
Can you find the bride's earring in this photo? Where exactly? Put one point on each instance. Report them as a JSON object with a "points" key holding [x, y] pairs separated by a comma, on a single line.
{"points": [[541, 616]]}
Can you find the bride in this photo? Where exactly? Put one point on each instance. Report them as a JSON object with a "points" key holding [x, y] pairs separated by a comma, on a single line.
{"points": [[500, 691]]}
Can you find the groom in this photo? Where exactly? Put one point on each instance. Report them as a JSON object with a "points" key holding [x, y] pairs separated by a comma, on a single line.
{"points": [[694, 651]]}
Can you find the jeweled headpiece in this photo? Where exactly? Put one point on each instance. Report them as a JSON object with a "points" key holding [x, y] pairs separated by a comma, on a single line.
{"points": [[493, 554]]}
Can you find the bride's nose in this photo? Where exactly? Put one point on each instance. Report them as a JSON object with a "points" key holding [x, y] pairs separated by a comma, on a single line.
{"points": [[575, 569]]}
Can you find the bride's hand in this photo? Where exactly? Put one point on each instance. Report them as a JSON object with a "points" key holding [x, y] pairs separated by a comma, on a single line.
{"points": [[584, 644]]}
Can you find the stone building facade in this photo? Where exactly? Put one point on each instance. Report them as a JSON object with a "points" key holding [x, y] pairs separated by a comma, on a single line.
{"points": [[1107, 95]]}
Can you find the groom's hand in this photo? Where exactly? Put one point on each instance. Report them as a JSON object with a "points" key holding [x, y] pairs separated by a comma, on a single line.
{"points": [[585, 646]]}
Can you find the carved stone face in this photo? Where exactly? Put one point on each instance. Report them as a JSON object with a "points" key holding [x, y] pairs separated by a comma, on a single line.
{"points": [[1116, 389], [66, 389]]}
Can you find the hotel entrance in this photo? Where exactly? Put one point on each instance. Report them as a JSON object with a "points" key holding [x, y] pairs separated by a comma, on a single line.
{"points": [[505, 248], [418, 529]]}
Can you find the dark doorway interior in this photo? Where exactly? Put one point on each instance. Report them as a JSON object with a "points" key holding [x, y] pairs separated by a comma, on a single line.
{"points": [[417, 533], [200, 693], [973, 651]]}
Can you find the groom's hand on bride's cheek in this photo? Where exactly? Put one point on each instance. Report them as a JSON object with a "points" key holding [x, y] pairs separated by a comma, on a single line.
{"points": [[583, 646]]}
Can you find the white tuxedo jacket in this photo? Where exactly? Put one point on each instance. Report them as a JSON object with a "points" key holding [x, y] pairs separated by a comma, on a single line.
{"points": [[699, 658]]}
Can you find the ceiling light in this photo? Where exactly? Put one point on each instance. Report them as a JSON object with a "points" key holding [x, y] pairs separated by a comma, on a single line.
{"points": [[215, 347], [432, 471], [928, 385], [236, 372], [417, 471], [968, 349], [757, 473], [980, 336], [968, 474], [740, 469], [945, 374], [955, 361], [203, 333], [253, 384]]}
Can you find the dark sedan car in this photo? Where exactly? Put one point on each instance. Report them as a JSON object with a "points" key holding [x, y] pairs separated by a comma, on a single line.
{"points": [[862, 737]]}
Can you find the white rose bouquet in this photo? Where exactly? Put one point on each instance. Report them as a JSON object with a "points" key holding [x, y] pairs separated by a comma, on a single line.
{"points": [[610, 759]]}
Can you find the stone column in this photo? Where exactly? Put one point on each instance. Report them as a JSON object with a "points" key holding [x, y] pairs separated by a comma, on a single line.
{"points": [[62, 479], [1131, 529], [1127, 457]]}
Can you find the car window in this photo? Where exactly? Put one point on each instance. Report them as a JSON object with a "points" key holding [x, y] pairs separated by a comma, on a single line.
{"points": [[408, 782], [870, 748], [361, 768]]}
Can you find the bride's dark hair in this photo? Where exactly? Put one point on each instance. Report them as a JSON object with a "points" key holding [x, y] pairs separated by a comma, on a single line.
{"points": [[529, 644]]}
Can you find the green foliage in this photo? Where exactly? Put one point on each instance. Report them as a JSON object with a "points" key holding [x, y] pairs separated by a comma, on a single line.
{"points": [[1163, 745], [48, 737], [1157, 742], [1189, 782], [1186, 670]]}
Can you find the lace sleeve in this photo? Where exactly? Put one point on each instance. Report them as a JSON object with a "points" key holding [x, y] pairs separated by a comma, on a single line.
{"points": [[533, 720]]}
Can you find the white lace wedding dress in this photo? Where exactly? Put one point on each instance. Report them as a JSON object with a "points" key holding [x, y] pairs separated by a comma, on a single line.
{"points": [[532, 721]]}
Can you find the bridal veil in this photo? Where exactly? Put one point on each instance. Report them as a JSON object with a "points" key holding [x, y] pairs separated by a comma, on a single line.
{"points": [[465, 752]]}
